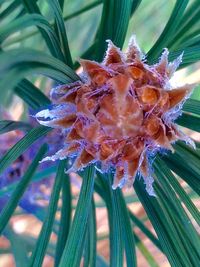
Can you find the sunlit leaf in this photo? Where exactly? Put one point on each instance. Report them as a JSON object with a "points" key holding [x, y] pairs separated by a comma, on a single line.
{"points": [[60, 25], [38, 253], [74, 245], [31, 95], [169, 31], [114, 25], [65, 219]]}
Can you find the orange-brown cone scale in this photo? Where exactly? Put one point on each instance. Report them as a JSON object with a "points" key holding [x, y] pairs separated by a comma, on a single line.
{"points": [[118, 114]]}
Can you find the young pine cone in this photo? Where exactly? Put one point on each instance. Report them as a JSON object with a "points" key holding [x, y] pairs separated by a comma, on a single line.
{"points": [[119, 113]]}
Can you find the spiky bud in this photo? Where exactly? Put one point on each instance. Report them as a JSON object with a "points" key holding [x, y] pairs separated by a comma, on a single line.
{"points": [[121, 111]]}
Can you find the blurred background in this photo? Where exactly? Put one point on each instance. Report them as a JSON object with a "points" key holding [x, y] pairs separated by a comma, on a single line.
{"points": [[147, 24]]}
